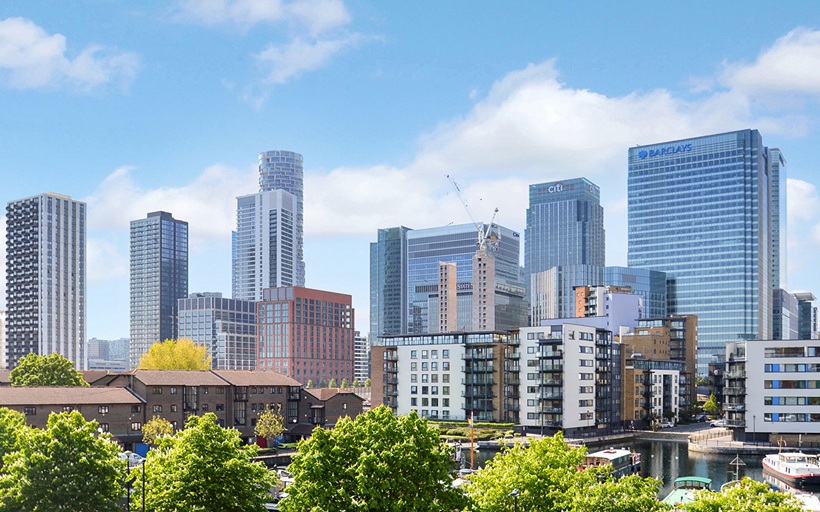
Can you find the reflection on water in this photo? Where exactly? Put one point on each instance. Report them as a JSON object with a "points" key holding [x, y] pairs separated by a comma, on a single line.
{"points": [[667, 461]]}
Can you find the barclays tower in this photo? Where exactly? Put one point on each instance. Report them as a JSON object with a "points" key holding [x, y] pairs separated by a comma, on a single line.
{"points": [[700, 210]]}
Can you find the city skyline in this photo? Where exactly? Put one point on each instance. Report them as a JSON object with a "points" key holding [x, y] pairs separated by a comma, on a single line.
{"points": [[383, 101]]}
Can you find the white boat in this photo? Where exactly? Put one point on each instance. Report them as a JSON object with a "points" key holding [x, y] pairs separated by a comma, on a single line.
{"points": [[797, 469], [622, 461]]}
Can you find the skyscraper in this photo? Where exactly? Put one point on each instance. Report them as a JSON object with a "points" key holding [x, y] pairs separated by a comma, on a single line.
{"points": [[265, 243], [226, 327], [159, 276], [46, 278], [282, 170], [565, 225], [700, 210], [388, 282]]}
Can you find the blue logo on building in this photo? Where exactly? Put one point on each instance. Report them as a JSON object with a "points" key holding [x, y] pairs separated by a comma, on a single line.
{"points": [[671, 150]]}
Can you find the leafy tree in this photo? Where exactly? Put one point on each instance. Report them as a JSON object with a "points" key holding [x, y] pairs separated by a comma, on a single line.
{"points": [[201, 468], [345, 384], [155, 428], [269, 424], [746, 496], [332, 383], [367, 382], [322, 384], [356, 383], [49, 370], [547, 479], [68, 466], [176, 355], [309, 384], [375, 462], [710, 406], [12, 428], [703, 381]]}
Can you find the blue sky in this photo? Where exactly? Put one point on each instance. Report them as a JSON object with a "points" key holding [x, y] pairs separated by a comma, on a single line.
{"points": [[141, 106]]}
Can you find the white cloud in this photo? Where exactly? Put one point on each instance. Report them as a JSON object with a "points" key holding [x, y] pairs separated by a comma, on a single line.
{"points": [[289, 61], [31, 58], [208, 204], [106, 260], [317, 16]]}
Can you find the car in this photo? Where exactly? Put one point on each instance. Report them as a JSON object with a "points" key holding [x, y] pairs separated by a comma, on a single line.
{"points": [[134, 459], [666, 424], [718, 423], [700, 417]]}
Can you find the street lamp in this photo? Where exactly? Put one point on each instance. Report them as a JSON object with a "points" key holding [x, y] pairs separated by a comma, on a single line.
{"points": [[514, 496]]}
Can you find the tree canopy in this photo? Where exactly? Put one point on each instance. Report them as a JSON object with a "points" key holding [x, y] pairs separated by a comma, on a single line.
{"points": [[710, 406], [746, 496], [49, 370], [546, 476], [176, 355], [376, 462], [204, 467], [269, 424], [12, 427], [68, 466], [155, 428]]}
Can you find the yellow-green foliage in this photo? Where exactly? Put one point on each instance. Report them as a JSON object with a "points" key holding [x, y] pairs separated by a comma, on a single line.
{"points": [[176, 355]]}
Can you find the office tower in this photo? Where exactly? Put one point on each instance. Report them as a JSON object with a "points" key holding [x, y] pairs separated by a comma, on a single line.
{"points": [[388, 282], [306, 334], [806, 316], [159, 277], [282, 170], [108, 354], [447, 297], [361, 359], [552, 291], [565, 225], [777, 171], [46, 278], [649, 284], [785, 315], [700, 210], [226, 327], [3, 363], [426, 248], [265, 248]]}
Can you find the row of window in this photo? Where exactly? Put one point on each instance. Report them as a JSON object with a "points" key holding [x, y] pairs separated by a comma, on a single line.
{"points": [[787, 368], [791, 400], [772, 352], [800, 417], [429, 377], [432, 354], [432, 402], [429, 390], [791, 384], [445, 365]]}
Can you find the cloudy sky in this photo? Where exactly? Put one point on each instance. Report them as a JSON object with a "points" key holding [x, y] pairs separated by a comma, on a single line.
{"points": [[141, 106]]}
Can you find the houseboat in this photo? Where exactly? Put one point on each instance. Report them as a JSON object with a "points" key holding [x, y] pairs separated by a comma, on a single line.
{"points": [[685, 489], [623, 461], [797, 469]]}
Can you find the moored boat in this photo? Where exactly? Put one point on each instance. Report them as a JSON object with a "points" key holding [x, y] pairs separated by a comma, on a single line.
{"points": [[622, 461], [797, 469], [685, 489]]}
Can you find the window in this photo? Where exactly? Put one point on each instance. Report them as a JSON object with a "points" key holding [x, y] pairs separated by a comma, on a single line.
{"points": [[157, 390], [68, 408], [425, 377], [173, 391], [220, 391], [136, 426], [425, 390], [103, 409], [445, 365], [433, 390], [104, 427], [445, 353], [136, 408], [434, 366], [414, 354], [414, 402], [414, 390], [220, 407], [445, 378], [434, 354], [414, 366], [173, 408], [157, 408], [30, 411], [445, 390], [414, 377], [205, 391], [424, 354]]}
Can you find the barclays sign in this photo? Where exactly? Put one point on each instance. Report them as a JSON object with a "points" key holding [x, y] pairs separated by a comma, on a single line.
{"points": [[671, 150]]}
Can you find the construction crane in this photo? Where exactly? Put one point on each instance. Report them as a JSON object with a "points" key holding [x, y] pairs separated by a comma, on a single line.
{"points": [[489, 238]]}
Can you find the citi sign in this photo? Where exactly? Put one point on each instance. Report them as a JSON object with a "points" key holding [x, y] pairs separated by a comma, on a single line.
{"points": [[671, 150], [555, 187]]}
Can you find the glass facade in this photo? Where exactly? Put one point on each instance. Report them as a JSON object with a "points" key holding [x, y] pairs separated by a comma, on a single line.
{"points": [[159, 277], [46, 278], [552, 291], [565, 225], [701, 210], [388, 281], [282, 170], [458, 244], [649, 284], [226, 327]]}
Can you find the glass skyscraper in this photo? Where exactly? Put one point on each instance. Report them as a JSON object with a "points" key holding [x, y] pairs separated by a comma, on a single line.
{"points": [[159, 276], [649, 284], [46, 278], [565, 225], [282, 170], [427, 247], [700, 210], [388, 282], [226, 327]]}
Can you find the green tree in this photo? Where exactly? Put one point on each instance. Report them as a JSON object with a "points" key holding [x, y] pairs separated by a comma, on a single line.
{"points": [[269, 424], [12, 428], [710, 406], [367, 382], [176, 355], [546, 476], [345, 384], [356, 383], [204, 467], [155, 428], [746, 496], [49, 370], [68, 466], [375, 462], [332, 383]]}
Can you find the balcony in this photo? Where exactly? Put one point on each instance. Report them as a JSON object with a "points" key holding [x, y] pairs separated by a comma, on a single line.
{"points": [[512, 393], [513, 356], [734, 407], [478, 356], [734, 391], [391, 356], [513, 367], [736, 374]]}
